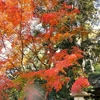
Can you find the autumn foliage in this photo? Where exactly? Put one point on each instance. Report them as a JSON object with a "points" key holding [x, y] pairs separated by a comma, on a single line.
{"points": [[33, 55], [80, 84]]}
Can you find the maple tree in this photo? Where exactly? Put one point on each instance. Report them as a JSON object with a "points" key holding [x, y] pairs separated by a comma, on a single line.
{"points": [[35, 55]]}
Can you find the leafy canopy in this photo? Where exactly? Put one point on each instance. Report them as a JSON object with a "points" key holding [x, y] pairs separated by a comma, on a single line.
{"points": [[34, 55]]}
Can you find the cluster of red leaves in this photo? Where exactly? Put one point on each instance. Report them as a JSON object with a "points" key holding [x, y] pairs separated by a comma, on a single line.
{"points": [[10, 12], [77, 52], [2, 62], [80, 84], [5, 84], [14, 14], [60, 60], [54, 81], [53, 18], [49, 18]]}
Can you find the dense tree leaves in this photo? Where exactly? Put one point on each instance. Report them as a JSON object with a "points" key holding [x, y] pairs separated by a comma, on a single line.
{"points": [[34, 55]]}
